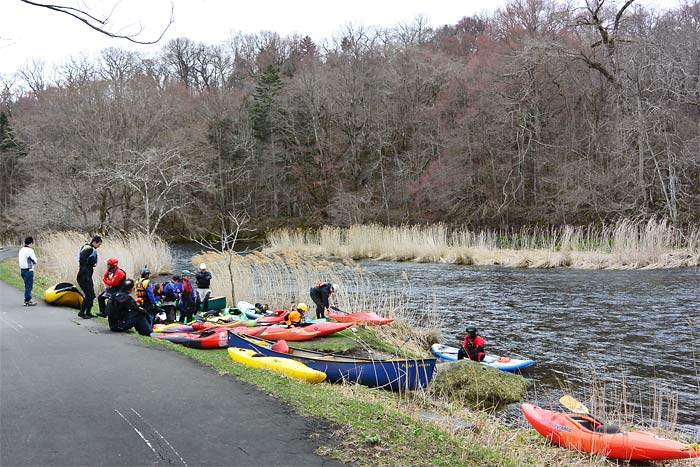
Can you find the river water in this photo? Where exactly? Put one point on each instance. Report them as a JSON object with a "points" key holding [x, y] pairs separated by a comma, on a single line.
{"points": [[584, 329], [637, 331]]}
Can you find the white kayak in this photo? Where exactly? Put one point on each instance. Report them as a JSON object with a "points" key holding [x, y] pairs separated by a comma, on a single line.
{"points": [[496, 361]]}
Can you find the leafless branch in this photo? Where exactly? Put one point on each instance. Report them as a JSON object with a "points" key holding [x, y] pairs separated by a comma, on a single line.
{"points": [[98, 24]]}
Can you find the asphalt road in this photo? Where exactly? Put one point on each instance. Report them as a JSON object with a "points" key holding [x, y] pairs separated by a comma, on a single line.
{"points": [[72, 393]]}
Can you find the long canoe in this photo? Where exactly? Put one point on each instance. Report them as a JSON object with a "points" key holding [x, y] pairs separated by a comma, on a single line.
{"points": [[395, 374]]}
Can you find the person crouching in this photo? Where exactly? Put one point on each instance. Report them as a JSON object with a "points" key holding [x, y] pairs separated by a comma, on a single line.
{"points": [[296, 316], [473, 345], [126, 313]]}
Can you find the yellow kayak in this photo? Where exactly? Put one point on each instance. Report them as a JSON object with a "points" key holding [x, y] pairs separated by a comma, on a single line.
{"points": [[64, 294], [286, 366]]}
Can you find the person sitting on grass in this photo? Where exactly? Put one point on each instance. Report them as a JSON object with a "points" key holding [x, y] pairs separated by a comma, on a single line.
{"points": [[126, 313], [296, 316], [473, 345]]}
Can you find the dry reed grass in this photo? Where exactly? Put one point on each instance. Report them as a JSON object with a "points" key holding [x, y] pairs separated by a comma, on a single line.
{"points": [[625, 245], [282, 281], [59, 253]]}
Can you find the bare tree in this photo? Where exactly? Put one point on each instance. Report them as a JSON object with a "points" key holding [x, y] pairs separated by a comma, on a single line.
{"points": [[102, 24], [157, 177]]}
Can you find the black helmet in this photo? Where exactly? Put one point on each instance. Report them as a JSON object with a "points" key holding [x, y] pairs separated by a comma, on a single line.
{"points": [[471, 328], [176, 277], [128, 285], [145, 271]]}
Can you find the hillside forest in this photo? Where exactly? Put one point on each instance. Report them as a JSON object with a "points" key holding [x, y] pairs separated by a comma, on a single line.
{"points": [[541, 113]]}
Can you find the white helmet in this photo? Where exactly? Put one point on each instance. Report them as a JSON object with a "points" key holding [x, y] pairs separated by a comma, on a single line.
{"points": [[334, 287], [202, 266]]}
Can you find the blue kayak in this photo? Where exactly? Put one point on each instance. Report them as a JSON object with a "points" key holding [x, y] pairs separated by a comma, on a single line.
{"points": [[446, 352]]}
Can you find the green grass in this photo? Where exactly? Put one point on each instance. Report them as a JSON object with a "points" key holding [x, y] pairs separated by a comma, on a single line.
{"points": [[9, 272]]}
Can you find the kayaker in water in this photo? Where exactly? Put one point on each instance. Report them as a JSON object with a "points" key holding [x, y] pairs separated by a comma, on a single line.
{"points": [[473, 345], [296, 316], [320, 294]]}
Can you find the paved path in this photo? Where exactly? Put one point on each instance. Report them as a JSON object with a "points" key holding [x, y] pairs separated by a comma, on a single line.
{"points": [[72, 393]]}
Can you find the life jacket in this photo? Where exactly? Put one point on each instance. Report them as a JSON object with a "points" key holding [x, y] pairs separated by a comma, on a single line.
{"points": [[141, 287], [90, 260]]}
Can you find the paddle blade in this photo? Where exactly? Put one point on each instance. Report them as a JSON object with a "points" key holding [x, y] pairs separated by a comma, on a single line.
{"points": [[573, 404]]}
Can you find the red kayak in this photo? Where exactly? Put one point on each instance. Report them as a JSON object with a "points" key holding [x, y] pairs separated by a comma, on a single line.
{"points": [[276, 317], [325, 328], [275, 333], [359, 317], [202, 325], [213, 338], [585, 433], [209, 339]]}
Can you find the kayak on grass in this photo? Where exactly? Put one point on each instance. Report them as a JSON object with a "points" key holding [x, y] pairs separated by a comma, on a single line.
{"points": [[286, 366], [395, 374], [496, 361], [587, 434], [368, 318]]}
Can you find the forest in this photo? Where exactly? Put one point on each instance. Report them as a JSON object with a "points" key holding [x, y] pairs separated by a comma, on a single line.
{"points": [[542, 113]]}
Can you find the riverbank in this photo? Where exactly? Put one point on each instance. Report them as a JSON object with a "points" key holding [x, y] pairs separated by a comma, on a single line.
{"points": [[625, 245], [372, 427]]}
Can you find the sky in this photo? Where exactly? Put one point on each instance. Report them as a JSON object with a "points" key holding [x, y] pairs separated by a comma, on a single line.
{"points": [[29, 33]]}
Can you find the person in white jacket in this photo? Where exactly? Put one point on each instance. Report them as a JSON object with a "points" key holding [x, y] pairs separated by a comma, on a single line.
{"points": [[27, 260]]}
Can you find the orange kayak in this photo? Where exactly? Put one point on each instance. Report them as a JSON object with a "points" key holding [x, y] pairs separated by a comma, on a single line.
{"points": [[359, 317], [585, 433]]}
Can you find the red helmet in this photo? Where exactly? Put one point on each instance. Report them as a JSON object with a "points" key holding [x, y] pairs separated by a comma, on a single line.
{"points": [[112, 262]]}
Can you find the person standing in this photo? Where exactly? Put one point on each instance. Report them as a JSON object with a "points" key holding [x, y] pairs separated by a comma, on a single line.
{"points": [[202, 279], [145, 297], [187, 298], [27, 260], [473, 345], [113, 278], [320, 295], [87, 260]]}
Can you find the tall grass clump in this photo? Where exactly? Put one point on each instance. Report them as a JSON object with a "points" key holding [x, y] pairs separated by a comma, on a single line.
{"points": [[59, 255], [626, 244], [282, 281]]}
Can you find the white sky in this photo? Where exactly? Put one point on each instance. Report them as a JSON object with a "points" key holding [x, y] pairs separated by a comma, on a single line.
{"points": [[30, 33]]}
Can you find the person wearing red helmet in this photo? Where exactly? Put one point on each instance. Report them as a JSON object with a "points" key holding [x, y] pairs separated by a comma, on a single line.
{"points": [[113, 279], [473, 345]]}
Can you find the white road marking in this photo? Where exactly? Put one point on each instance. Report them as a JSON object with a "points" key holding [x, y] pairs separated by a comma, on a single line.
{"points": [[161, 436], [145, 440]]}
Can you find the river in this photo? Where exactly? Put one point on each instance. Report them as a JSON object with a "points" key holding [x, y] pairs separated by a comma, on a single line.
{"points": [[585, 329]]}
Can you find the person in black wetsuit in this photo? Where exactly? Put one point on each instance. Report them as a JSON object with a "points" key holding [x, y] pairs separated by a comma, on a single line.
{"points": [[320, 295], [126, 313], [202, 279], [87, 260]]}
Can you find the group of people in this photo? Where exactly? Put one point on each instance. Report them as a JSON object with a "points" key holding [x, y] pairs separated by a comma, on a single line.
{"points": [[136, 304], [125, 311]]}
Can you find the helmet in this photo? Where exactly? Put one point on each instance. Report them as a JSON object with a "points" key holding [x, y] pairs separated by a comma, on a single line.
{"points": [[112, 262], [303, 307], [202, 266], [128, 285], [186, 272], [334, 287], [145, 271], [176, 277], [471, 329]]}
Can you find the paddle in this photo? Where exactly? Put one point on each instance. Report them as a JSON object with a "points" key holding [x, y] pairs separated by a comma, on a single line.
{"points": [[573, 404], [335, 308]]}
